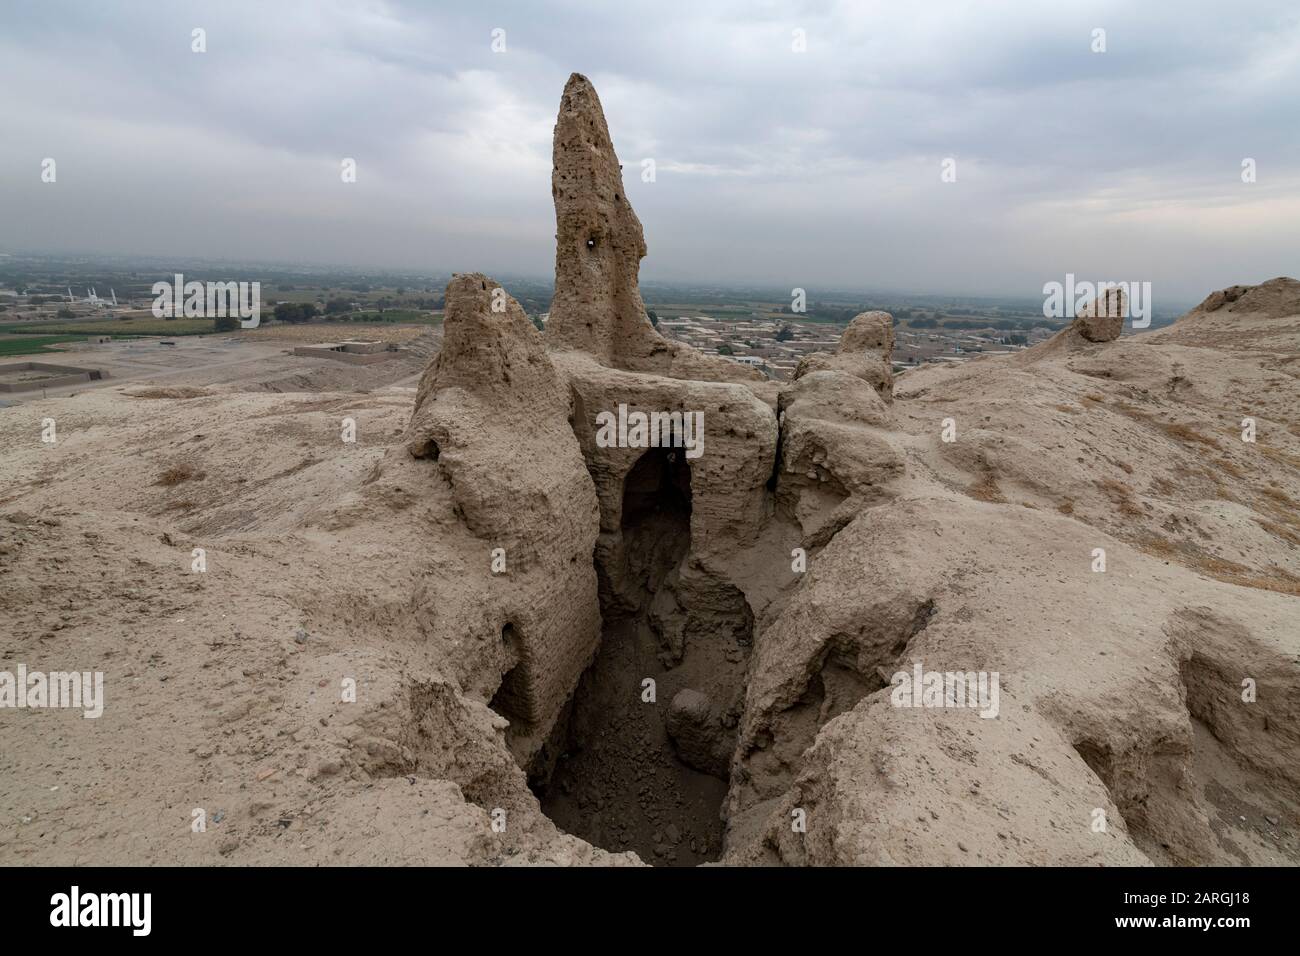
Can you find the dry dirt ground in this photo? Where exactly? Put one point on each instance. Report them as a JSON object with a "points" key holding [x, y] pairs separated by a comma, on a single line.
{"points": [[328, 561], [255, 359]]}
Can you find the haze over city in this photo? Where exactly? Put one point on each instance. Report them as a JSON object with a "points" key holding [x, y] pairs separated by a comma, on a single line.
{"points": [[819, 168]]}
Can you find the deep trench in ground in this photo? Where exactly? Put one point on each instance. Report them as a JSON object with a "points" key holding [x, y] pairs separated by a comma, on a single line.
{"points": [[620, 781]]}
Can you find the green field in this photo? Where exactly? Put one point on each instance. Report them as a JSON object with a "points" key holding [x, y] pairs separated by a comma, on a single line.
{"points": [[32, 344]]}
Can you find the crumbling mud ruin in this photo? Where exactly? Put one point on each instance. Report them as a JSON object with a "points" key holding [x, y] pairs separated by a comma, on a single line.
{"points": [[603, 599]]}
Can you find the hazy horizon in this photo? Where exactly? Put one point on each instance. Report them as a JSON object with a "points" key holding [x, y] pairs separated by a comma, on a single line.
{"points": [[819, 169]]}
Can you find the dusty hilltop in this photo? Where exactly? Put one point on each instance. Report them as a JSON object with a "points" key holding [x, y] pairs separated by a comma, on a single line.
{"points": [[480, 634]]}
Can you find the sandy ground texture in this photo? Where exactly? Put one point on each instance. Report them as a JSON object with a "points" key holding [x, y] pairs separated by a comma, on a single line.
{"points": [[255, 359], [327, 560]]}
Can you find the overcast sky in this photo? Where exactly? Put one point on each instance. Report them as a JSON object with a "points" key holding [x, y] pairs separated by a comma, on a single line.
{"points": [[813, 169]]}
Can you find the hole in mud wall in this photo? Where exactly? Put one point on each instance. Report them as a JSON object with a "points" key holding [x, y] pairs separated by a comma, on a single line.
{"points": [[427, 448], [634, 771], [509, 700], [656, 532]]}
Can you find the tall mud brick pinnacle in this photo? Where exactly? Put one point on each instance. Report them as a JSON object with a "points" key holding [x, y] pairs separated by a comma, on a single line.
{"points": [[599, 245], [599, 242]]}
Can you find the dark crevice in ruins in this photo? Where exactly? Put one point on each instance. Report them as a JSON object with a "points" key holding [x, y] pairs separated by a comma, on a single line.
{"points": [[838, 679], [920, 621], [775, 477], [655, 529], [616, 777], [508, 701], [1144, 784], [1130, 801], [618, 782], [426, 448]]}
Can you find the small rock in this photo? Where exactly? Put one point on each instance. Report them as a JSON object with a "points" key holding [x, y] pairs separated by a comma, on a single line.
{"points": [[300, 636]]}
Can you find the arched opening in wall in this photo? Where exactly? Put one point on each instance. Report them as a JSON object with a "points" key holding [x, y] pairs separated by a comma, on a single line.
{"points": [[643, 757], [656, 526]]}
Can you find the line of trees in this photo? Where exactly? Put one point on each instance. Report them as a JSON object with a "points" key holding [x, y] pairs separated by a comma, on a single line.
{"points": [[295, 312]]}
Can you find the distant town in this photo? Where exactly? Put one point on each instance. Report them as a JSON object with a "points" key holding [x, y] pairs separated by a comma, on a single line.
{"points": [[775, 345], [50, 304]]}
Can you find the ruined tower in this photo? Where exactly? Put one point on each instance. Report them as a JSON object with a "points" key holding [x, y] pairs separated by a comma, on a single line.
{"points": [[599, 245]]}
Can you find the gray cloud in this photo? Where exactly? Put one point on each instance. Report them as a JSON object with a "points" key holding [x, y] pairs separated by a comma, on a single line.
{"points": [[813, 169]]}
